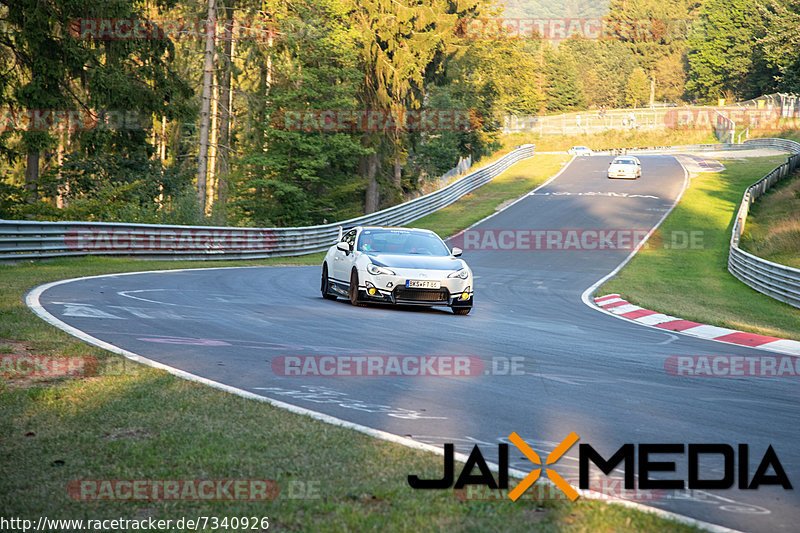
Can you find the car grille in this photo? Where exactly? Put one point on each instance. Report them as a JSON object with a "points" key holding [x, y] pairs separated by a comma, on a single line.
{"points": [[420, 295]]}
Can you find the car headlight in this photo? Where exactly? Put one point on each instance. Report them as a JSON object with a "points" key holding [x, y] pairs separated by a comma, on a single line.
{"points": [[463, 274], [375, 270]]}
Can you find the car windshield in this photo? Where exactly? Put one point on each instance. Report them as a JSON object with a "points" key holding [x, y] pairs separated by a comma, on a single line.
{"points": [[399, 241], [624, 162]]}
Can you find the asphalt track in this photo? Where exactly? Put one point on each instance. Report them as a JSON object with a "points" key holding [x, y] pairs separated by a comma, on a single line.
{"points": [[584, 371]]}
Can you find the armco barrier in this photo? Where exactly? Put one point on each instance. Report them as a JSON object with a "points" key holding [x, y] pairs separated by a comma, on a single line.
{"points": [[778, 144], [21, 240], [778, 281]]}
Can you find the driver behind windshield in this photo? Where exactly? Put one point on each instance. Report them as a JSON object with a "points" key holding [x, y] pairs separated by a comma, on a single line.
{"points": [[416, 244]]}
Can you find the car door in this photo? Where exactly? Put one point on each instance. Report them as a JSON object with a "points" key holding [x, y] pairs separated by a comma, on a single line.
{"points": [[343, 261]]}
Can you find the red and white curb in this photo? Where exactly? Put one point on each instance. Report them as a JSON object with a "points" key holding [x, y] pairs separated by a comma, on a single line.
{"points": [[615, 304]]}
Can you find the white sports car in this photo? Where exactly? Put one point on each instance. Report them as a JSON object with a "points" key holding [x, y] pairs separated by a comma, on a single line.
{"points": [[580, 150], [399, 266], [625, 166]]}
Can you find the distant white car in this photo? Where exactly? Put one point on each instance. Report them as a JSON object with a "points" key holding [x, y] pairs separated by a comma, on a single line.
{"points": [[625, 167], [397, 266], [580, 150]]}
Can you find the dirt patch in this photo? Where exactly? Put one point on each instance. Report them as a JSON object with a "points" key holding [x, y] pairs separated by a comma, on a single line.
{"points": [[23, 365]]}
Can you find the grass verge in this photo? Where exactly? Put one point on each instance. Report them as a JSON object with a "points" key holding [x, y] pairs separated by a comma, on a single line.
{"points": [[133, 422], [772, 230], [693, 282]]}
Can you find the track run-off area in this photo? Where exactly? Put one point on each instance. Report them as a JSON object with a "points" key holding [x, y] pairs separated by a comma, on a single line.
{"points": [[575, 369]]}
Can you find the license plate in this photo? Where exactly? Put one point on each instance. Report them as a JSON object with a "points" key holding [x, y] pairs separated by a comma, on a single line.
{"points": [[422, 284]]}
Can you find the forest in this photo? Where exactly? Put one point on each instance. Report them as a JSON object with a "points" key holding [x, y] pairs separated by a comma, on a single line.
{"points": [[271, 113]]}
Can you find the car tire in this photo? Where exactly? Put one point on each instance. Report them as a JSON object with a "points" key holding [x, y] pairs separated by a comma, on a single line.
{"points": [[353, 291], [326, 284], [461, 310]]}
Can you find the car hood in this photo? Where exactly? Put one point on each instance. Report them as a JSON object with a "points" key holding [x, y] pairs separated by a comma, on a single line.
{"points": [[421, 262]]}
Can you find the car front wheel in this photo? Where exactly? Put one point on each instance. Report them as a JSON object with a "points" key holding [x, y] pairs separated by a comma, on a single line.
{"points": [[354, 299], [326, 285]]}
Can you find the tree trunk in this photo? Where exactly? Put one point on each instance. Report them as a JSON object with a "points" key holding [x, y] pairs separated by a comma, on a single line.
{"points": [[270, 44], [32, 175], [370, 169], [205, 108], [226, 106], [652, 89], [63, 188], [162, 157], [398, 173], [162, 146], [211, 180]]}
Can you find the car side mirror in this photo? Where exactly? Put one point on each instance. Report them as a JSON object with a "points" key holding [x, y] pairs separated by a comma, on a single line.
{"points": [[457, 252], [343, 246]]}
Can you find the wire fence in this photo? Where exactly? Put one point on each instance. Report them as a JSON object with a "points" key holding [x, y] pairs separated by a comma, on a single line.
{"points": [[758, 112]]}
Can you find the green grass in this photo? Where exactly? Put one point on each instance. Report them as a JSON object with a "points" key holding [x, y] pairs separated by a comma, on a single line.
{"points": [[145, 424], [791, 134], [693, 283], [134, 422], [772, 230]]}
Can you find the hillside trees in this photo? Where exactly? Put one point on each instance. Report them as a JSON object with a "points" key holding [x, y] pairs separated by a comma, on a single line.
{"points": [[94, 97], [274, 70], [725, 56]]}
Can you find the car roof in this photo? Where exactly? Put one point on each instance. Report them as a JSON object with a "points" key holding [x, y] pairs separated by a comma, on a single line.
{"points": [[394, 227]]}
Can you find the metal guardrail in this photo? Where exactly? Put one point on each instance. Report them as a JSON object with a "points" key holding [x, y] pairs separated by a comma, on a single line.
{"points": [[778, 281], [20, 240], [430, 185], [676, 149], [725, 128], [751, 144]]}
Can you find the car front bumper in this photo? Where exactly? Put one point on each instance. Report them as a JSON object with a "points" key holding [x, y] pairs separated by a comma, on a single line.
{"points": [[452, 292], [622, 175]]}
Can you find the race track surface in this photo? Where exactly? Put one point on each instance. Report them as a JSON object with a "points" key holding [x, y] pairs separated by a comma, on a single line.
{"points": [[584, 371]]}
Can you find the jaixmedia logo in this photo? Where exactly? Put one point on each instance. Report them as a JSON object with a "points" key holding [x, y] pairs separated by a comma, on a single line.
{"points": [[636, 460]]}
